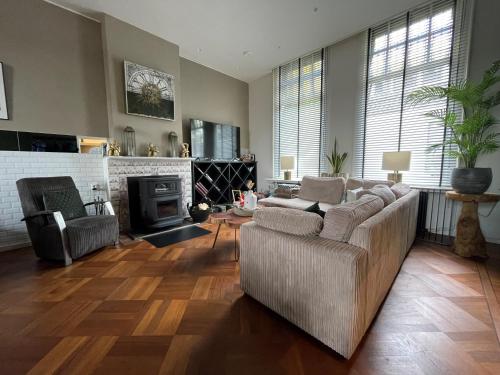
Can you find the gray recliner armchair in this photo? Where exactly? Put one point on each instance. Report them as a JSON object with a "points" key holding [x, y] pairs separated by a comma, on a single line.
{"points": [[57, 222]]}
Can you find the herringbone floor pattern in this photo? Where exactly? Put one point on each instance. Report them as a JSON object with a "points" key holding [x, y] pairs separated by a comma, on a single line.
{"points": [[141, 310]]}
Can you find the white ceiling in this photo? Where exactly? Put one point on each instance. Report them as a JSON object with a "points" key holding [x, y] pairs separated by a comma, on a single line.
{"points": [[216, 33]]}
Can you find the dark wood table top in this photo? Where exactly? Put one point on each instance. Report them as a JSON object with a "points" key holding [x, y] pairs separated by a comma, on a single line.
{"points": [[229, 218], [486, 197]]}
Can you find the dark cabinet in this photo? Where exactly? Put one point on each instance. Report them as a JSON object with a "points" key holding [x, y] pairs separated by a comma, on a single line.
{"points": [[217, 179]]}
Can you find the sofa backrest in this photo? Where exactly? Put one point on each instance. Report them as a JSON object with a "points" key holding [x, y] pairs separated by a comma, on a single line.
{"points": [[356, 183], [322, 189]]}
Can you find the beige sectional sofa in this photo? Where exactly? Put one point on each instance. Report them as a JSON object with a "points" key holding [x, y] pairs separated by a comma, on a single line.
{"points": [[333, 192], [331, 289]]}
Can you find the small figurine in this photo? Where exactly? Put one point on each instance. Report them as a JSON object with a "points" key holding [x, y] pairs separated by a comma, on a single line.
{"points": [[250, 184], [152, 150], [185, 150], [114, 149]]}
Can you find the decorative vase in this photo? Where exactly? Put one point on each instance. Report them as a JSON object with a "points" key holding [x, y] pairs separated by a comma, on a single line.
{"points": [[173, 144], [471, 180], [197, 214], [129, 141]]}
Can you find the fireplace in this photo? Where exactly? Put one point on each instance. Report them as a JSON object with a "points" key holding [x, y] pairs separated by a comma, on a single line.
{"points": [[155, 202]]}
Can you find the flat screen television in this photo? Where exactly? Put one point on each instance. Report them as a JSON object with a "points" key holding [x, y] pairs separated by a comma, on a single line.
{"points": [[210, 140]]}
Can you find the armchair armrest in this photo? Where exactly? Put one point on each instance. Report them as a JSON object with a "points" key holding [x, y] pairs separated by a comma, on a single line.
{"points": [[37, 214], [101, 206], [61, 224]]}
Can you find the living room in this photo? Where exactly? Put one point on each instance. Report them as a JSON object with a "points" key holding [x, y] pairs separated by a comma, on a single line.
{"points": [[287, 187]]}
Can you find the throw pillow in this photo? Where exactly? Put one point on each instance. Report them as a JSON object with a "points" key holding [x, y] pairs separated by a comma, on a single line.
{"points": [[315, 209], [383, 192], [286, 191], [400, 189], [341, 220], [322, 189], [352, 195], [67, 201], [289, 220]]}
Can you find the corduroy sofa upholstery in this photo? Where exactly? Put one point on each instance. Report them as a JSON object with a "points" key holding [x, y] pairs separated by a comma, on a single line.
{"points": [[330, 289]]}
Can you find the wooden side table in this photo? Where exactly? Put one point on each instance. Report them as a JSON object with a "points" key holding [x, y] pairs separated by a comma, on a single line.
{"points": [[469, 240], [233, 221]]}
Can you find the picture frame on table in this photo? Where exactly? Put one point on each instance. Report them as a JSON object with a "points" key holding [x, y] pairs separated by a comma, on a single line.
{"points": [[236, 195]]}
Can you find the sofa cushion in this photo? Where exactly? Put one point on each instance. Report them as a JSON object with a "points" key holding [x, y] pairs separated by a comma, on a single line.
{"points": [[341, 220], [381, 191], [322, 189], [400, 189], [90, 233], [297, 203], [289, 221], [356, 183]]}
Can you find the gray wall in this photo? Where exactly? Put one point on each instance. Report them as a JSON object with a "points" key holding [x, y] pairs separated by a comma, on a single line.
{"points": [[346, 61], [485, 48], [345, 68], [261, 126], [121, 42], [213, 96], [344, 82], [53, 68]]}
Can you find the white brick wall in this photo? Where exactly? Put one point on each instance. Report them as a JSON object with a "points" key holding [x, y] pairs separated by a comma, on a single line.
{"points": [[119, 168], [86, 169]]}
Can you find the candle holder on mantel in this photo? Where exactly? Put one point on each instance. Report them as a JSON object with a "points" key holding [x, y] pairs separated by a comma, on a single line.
{"points": [[173, 144], [129, 141]]}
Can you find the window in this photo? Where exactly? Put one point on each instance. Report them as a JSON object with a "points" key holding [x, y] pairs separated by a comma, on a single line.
{"points": [[424, 47], [299, 114]]}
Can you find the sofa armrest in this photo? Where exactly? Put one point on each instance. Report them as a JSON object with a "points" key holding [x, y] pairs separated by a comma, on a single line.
{"points": [[288, 220]]}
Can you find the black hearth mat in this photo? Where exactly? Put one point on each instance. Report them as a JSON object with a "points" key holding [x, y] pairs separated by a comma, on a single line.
{"points": [[177, 235]]}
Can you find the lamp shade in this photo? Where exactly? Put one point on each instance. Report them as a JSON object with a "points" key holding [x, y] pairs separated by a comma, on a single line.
{"points": [[287, 163], [396, 161]]}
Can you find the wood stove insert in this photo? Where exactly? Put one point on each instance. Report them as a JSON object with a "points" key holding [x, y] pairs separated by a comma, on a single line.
{"points": [[155, 202]]}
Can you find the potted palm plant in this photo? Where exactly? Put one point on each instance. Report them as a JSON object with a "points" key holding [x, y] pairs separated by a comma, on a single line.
{"points": [[475, 134], [337, 161]]}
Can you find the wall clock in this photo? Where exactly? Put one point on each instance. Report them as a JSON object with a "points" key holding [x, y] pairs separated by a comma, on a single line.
{"points": [[148, 92]]}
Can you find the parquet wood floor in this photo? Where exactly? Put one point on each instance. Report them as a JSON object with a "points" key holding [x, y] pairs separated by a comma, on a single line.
{"points": [[179, 309]]}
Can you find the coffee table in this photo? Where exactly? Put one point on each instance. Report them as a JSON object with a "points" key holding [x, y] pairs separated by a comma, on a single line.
{"points": [[232, 221]]}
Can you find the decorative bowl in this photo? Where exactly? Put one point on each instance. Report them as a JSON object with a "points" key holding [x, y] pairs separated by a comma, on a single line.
{"points": [[240, 211]]}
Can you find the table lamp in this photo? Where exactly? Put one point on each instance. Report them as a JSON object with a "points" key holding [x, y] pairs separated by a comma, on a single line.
{"points": [[396, 161], [287, 163]]}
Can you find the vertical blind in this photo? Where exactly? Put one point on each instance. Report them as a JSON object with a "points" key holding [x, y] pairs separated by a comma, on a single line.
{"points": [[299, 114], [424, 47]]}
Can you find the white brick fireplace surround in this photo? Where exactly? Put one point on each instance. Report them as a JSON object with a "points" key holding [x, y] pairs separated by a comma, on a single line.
{"points": [[119, 168], [87, 170]]}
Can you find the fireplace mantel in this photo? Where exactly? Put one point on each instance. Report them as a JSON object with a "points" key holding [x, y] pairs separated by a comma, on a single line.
{"points": [[118, 168]]}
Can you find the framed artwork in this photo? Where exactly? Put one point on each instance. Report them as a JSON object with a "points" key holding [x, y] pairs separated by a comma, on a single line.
{"points": [[3, 101], [236, 195], [148, 92]]}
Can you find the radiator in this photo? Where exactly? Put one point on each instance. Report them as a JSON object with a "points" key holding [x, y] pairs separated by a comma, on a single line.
{"points": [[437, 216]]}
